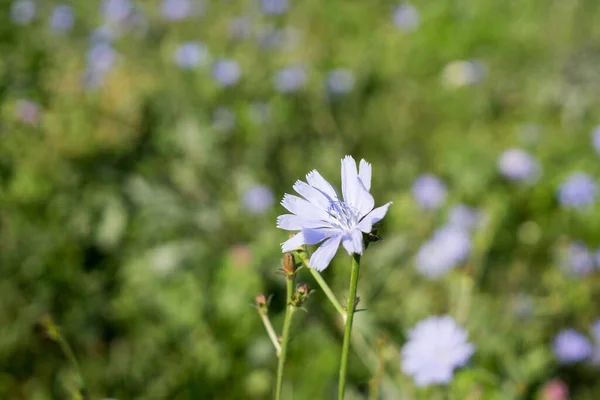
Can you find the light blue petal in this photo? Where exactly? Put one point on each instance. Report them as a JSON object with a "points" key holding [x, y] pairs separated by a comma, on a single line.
{"points": [[293, 243], [314, 236], [349, 181], [364, 173], [366, 225], [291, 222], [315, 180], [364, 202], [314, 196], [322, 257], [303, 208], [353, 242]]}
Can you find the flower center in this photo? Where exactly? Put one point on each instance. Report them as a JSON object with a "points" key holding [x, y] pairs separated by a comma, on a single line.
{"points": [[342, 216]]}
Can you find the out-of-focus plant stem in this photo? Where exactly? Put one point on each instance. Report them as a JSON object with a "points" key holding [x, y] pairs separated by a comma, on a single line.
{"points": [[285, 335]]}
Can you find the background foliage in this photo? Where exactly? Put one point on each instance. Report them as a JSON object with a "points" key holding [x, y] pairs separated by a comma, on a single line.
{"points": [[125, 212]]}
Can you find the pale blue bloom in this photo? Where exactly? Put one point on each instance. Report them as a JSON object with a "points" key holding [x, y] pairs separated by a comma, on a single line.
{"points": [[596, 331], [22, 12], [429, 192], [175, 10], [596, 138], [257, 199], [449, 246], [227, 72], [462, 216], [340, 81], [274, 7], [518, 165], [116, 11], [100, 60], [190, 55], [597, 258], [406, 17], [223, 119], [436, 347], [571, 346], [580, 260], [290, 79], [321, 216], [62, 18], [578, 191]]}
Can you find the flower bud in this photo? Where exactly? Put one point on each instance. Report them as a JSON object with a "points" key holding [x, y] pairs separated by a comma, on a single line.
{"points": [[289, 266], [301, 294], [261, 303]]}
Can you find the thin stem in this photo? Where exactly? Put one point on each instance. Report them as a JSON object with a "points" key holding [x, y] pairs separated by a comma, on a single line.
{"points": [[348, 328], [324, 287], [270, 331], [285, 335]]}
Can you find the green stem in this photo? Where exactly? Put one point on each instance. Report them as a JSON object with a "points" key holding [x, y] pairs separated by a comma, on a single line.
{"points": [[348, 328], [324, 287], [285, 335], [270, 331]]}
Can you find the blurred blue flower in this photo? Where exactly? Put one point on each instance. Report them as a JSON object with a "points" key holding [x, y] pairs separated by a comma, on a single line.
{"points": [[597, 258], [596, 138], [62, 18], [190, 54], [290, 79], [462, 216], [28, 111], [596, 331], [580, 260], [340, 81], [429, 192], [240, 28], [103, 34], [406, 17], [116, 11], [448, 247], [174, 10], [101, 58], [436, 347], [571, 346], [22, 12], [518, 165], [274, 7], [258, 199], [226, 72], [578, 191], [321, 216], [223, 119]]}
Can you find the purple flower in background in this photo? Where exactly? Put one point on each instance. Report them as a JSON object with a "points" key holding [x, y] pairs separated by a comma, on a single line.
{"points": [[580, 260], [518, 165], [62, 18], [227, 72], [257, 199], [448, 247], [223, 119], [190, 55], [274, 7], [340, 81], [22, 12], [100, 60], [175, 10], [578, 191], [406, 17], [321, 216], [596, 138], [597, 258], [290, 79], [571, 346], [436, 347], [116, 11], [462, 216], [28, 111], [596, 331], [429, 192]]}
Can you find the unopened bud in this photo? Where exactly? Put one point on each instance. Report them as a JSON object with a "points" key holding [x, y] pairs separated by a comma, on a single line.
{"points": [[301, 294], [289, 266], [261, 303]]}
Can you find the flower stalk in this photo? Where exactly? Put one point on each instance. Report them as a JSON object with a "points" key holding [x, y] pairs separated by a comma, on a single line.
{"points": [[352, 301], [263, 311], [285, 335]]}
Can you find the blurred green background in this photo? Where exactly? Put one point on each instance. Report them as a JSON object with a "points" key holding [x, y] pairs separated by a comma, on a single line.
{"points": [[140, 180]]}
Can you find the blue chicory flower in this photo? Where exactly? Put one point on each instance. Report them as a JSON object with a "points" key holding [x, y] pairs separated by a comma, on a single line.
{"points": [[175, 10], [116, 11], [321, 216], [257, 199], [62, 18], [226, 72], [290, 79], [406, 17], [449, 246], [274, 7], [462, 216], [578, 191], [596, 138], [436, 347], [340, 81], [190, 55], [571, 346], [518, 165], [429, 192], [22, 12], [579, 260]]}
